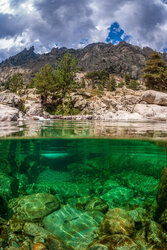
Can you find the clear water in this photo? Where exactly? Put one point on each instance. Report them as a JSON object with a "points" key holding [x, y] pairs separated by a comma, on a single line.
{"points": [[91, 166]]}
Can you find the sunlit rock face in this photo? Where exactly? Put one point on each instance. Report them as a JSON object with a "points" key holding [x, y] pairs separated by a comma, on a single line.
{"points": [[8, 113], [155, 97]]}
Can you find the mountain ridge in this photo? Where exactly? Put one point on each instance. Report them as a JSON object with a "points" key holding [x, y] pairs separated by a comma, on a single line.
{"points": [[118, 59]]}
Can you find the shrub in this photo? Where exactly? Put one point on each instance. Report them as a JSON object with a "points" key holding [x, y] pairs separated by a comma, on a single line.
{"points": [[134, 85], [120, 84]]}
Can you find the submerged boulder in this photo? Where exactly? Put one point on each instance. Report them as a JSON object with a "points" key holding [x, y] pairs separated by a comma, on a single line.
{"points": [[118, 221], [33, 207], [76, 228], [115, 242]]}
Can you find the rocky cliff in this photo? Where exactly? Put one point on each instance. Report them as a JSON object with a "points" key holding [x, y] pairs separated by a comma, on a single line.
{"points": [[118, 59]]}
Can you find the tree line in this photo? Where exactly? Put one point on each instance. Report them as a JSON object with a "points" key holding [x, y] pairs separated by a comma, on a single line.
{"points": [[60, 81]]}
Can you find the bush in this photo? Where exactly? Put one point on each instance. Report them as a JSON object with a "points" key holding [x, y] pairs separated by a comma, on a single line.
{"points": [[120, 84], [111, 84], [134, 85], [67, 109], [127, 79]]}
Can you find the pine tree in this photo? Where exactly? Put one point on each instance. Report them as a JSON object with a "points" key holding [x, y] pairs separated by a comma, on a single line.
{"points": [[127, 79], [44, 82], [155, 72], [65, 74], [15, 83], [111, 84]]}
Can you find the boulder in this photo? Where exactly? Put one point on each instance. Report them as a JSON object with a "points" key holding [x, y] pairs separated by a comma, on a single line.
{"points": [[8, 113], [118, 195], [76, 228], [154, 111], [118, 221], [122, 115], [10, 99], [154, 234], [114, 242], [33, 207], [33, 108], [97, 204], [155, 97]]}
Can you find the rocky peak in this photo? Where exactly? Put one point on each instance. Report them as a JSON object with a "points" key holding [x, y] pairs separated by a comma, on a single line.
{"points": [[21, 58]]}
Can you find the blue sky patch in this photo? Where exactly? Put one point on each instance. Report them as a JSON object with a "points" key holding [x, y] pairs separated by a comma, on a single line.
{"points": [[116, 34]]}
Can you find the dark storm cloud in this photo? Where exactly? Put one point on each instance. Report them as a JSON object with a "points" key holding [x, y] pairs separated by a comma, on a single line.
{"points": [[70, 22], [65, 22], [10, 26]]}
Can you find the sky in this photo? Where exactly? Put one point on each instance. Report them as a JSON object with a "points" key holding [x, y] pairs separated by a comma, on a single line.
{"points": [[76, 23]]}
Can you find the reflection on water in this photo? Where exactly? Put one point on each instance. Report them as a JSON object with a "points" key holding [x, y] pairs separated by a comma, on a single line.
{"points": [[60, 128]]}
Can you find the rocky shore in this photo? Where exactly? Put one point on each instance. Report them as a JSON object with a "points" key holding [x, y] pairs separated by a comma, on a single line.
{"points": [[121, 105]]}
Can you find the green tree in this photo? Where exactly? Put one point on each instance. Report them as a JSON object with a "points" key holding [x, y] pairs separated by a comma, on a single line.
{"points": [[65, 74], [15, 83], [155, 72], [98, 78], [111, 84], [127, 78], [134, 85], [44, 82]]}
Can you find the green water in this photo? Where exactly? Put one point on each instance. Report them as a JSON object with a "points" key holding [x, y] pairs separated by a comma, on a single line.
{"points": [[121, 172]]}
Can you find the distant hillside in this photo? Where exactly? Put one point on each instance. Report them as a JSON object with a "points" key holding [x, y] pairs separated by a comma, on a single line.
{"points": [[118, 59]]}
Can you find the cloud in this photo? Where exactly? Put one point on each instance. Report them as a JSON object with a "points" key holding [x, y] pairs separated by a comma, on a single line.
{"points": [[47, 23], [143, 21]]}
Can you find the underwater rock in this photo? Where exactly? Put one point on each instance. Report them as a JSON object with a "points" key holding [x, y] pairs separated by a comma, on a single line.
{"points": [[97, 204], [54, 243], [162, 191], [76, 228], [119, 195], [163, 218], [50, 175], [115, 242], [8, 186], [154, 234], [34, 230], [118, 221], [33, 207], [63, 190], [79, 202], [97, 246], [110, 184], [133, 179], [139, 216], [39, 246]]}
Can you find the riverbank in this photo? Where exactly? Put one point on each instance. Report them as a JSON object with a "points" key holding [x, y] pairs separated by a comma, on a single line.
{"points": [[121, 105]]}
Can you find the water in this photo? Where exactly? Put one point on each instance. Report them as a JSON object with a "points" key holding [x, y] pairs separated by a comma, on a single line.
{"points": [[76, 167], [87, 165]]}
